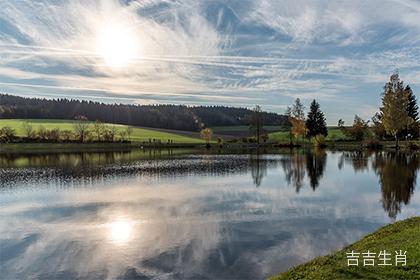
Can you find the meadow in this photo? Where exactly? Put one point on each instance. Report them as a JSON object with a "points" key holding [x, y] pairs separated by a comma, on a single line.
{"points": [[277, 134], [138, 134]]}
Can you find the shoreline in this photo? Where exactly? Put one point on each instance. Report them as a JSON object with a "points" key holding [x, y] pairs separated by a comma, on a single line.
{"points": [[55, 147], [402, 235]]}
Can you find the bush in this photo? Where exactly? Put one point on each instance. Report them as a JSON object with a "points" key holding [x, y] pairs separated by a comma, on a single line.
{"points": [[53, 134], [7, 135], [413, 146], [67, 135], [373, 144], [319, 141]]}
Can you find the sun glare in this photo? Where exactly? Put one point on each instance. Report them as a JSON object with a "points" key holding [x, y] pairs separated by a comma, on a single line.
{"points": [[117, 45], [120, 231]]}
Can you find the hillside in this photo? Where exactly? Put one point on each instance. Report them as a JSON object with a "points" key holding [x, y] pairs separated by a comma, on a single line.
{"points": [[177, 117], [138, 134]]}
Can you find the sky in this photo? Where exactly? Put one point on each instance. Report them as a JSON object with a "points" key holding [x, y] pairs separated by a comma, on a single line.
{"points": [[211, 52]]}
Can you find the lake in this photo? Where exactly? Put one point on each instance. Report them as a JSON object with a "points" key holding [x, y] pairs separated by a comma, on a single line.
{"points": [[174, 214]]}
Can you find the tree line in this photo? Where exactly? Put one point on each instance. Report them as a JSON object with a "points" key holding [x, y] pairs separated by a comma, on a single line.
{"points": [[177, 117], [397, 118]]}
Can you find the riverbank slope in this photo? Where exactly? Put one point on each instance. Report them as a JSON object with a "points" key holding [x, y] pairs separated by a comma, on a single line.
{"points": [[403, 235]]}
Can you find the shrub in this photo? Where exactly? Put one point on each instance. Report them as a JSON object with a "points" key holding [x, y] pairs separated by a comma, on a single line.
{"points": [[319, 141], [53, 134], [373, 144], [413, 146], [67, 135], [7, 134]]}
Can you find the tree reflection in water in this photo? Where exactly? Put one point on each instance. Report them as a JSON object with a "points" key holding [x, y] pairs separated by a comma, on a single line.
{"points": [[258, 168], [397, 177], [396, 171], [299, 162], [315, 166]]}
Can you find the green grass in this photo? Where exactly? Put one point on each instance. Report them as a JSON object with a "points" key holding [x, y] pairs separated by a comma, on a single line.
{"points": [[404, 235], [277, 133], [138, 134], [334, 134], [242, 128]]}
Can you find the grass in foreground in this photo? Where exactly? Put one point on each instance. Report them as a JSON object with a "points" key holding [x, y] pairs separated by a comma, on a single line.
{"points": [[138, 135], [404, 235]]}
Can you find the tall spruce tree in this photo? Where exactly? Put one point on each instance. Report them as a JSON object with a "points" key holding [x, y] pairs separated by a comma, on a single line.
{"points": [[412, 108], [412, 131], [315, 123]]}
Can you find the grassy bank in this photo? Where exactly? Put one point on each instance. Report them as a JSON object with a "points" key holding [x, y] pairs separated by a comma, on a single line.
{"points": [[404, 235], [138, 134]]}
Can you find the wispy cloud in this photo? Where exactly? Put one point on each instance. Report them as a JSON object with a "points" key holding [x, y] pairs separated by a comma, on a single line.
{"points": [[219, 52]]}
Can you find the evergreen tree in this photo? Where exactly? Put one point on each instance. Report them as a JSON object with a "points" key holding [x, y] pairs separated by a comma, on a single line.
{"points": [[412, 130], [412, 108], [315, 122]]}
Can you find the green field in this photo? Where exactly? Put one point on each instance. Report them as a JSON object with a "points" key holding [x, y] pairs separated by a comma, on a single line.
{"points": [[334, 134], [242, 128], [138, 134], [404, 235], [275, 133]]}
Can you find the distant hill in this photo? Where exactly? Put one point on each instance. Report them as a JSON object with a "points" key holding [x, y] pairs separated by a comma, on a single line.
{"points": [[177, 117]]}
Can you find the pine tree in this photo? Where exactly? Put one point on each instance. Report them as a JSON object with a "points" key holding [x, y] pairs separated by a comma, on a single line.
{"points": [[412, 130], [315, 122], [412, 108]]}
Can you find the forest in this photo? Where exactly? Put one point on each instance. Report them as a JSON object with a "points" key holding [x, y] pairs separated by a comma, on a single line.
{"points": [[179, 117]]}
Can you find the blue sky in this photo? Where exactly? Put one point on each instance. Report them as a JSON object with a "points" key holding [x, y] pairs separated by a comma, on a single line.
{"points": [[197, 52]]}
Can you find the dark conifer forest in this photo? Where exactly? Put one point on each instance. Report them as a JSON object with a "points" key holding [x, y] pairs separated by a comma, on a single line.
{"points": [[178, 117]]}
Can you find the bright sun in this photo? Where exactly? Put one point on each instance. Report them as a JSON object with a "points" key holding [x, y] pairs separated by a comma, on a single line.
{"points": [[117, 45], [120, 231]]}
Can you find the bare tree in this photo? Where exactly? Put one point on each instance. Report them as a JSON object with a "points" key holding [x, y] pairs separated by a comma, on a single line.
{"points": [[206, 134], [29, 131], [129, 132], [7, 134], [256, 124], [81, 128], [98, 129]]}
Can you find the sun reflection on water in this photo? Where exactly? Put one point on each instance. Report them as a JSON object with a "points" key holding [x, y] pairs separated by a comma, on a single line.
{"points": [[120, 231]]}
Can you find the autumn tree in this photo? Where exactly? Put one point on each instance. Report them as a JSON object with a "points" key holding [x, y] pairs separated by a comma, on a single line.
{"points": [[378, 127], [315, 122], [288, 124], [207, 134], [358, 130], [394, 107], [297, 119]]}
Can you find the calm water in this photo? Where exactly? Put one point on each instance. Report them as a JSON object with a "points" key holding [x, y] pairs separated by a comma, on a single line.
{"points": [[173, 215]]}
